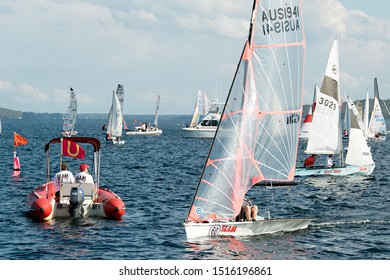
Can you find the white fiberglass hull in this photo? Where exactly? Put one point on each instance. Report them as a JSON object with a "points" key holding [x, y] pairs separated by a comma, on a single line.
{"points": [[196, 132], [116, 142], [336, 171], [265, 226], [144, 133], [379, 138]]}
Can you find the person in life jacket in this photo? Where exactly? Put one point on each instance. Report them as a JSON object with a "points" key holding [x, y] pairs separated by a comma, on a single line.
{"points": [[309, 162]]}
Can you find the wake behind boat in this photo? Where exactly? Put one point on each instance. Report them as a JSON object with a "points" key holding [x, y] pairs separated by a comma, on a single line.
{"points": [[257, 137], [84, 199]]}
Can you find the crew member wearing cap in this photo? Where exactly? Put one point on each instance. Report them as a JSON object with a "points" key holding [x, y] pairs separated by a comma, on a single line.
{"points": [[83, 176]]}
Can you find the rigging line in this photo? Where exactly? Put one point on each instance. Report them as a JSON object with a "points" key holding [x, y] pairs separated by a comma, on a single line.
{"points": [[214, 203], [276, 145], [387, 109], [257, 58], [227, 179]]}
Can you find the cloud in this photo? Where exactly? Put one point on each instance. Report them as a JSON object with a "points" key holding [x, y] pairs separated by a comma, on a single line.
{"points": [[171, 47], [364, 45]]}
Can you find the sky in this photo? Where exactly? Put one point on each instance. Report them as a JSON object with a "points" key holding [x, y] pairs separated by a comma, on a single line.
{"points": [[169, 47]]}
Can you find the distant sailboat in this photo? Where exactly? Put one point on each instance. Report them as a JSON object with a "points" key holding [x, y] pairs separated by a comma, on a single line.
{"points": [[307, 123], [146, 129], [70, 117], [376, 129], [346, 121], [325, 137], [1, 126], [18, 140], [121, 97], [197, 110], [115, 121]]}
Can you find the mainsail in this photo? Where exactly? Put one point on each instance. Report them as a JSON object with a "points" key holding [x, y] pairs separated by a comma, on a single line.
{"points": [[197, 110], [71, 115], [324, 137], [358, 151], [115, 124], [377, 123], [121, 97], [257, 138], [156, 112]]}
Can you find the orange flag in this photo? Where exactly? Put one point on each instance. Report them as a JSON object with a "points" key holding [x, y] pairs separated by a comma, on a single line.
{"points": [[19, 140], [71, 149]]}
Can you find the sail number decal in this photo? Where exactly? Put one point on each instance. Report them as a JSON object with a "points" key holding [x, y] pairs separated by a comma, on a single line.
{"points": [[293, 118], [280, 20], [327, 103]]}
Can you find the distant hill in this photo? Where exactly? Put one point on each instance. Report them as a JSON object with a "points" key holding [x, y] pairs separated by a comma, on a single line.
{"points": [[11, 114]]}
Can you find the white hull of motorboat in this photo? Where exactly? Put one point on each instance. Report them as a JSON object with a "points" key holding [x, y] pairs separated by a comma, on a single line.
{"points": [[197, 132], [139, 132]]}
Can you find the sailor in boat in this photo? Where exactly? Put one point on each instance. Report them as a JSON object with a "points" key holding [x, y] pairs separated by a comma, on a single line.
{"points": [[329, 161], [62, 177], [248, 211], [309, 161], [144, 127], [83, 176]]}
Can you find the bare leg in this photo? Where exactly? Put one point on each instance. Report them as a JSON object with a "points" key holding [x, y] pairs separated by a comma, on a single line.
{"points": [[247, 211], [254, 210]]}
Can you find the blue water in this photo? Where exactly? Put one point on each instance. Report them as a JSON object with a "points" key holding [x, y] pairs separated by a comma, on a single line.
{"points": [[156, 177]]}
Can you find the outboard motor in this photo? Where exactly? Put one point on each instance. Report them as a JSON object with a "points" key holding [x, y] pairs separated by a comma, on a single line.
{"points": [[76, 200]]}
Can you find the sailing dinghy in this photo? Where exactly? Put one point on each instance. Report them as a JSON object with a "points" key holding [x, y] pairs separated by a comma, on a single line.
{"points": [[146, 129], [325, 137], [120, 93], [74, 200], [376, 129], [257, 138], [70, 117], [115, 121]]}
